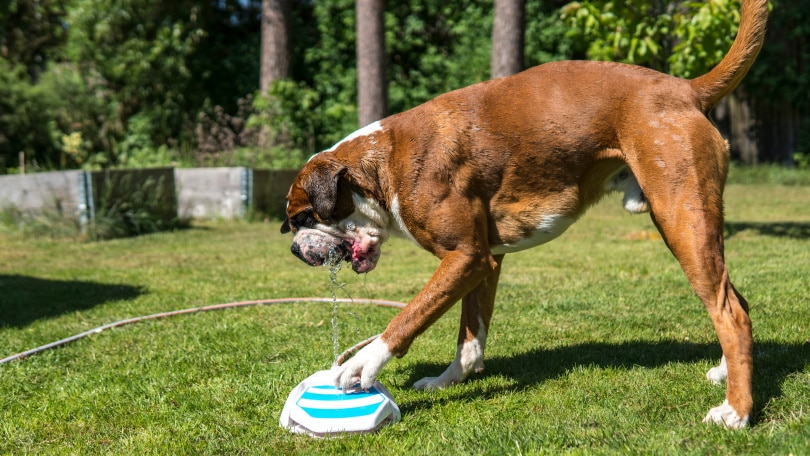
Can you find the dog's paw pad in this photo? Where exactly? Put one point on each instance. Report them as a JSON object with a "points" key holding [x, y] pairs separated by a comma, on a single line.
{"points": [[726, 415]]}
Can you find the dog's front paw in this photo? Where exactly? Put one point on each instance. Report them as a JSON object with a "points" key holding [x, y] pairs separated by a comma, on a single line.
{"points": [[469, 359], [726, 415], [455, 373], [364, 366]]}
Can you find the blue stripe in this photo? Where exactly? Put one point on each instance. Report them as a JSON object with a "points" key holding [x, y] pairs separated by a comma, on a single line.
{"points": [[352, 412], [312, 393]]}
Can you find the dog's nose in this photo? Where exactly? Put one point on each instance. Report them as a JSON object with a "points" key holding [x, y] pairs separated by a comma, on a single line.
{"points": [[296, 250]]}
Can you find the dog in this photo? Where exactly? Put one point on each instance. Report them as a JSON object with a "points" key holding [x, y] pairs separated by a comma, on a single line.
{"points": [[511, 163]]}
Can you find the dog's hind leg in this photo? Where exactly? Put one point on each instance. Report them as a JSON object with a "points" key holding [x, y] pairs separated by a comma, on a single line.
{"points": [[686, 201], [476, 314]]}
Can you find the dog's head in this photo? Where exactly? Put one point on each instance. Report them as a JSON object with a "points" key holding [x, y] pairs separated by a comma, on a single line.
{"points": [[329, 217]]}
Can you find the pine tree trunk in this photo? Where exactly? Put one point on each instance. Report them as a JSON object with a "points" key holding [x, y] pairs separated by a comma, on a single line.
{"points": [[508, 37], [275, 61], [372, 91]]}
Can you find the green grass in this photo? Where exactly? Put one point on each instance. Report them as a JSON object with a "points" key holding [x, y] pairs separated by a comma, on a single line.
{"points": [[598, 344]]}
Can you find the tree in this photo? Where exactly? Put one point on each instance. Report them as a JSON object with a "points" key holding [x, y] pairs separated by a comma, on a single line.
{"points": [[31, 32], [371, 85], [275, 61], [508, 37]]}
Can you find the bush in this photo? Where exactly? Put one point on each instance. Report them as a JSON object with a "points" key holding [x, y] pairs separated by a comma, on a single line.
{"points": [[296, 121]]}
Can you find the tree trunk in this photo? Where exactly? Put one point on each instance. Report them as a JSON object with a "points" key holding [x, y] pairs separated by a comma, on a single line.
{"points": [[275, 61], [508, 37], [371, 86], [743, 139]]}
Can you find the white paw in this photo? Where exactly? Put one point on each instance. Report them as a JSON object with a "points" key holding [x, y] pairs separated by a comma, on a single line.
{"points": [[364, 366], [448, 378], [718, 374], [726, 415], [469, 359]]}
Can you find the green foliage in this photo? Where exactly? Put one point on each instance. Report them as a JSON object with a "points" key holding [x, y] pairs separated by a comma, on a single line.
{"points": [[704, 32], [802, 160], [36, 117], [31, 32], [128, 76], [684, 38], [627, 31], [140, 49], [24, 117], [546, 34], [300, 120], [116, 83], [435, 47]]}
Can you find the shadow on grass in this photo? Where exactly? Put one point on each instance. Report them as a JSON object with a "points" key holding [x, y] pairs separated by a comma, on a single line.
{"points": [[24, 299], [773, 363], [792, 230]]}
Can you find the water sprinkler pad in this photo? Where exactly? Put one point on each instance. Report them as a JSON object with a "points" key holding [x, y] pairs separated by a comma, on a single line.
{"points": [[318, 408]]}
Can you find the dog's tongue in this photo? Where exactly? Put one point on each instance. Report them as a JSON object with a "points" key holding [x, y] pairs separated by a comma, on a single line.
{"points": [[360, 260]]}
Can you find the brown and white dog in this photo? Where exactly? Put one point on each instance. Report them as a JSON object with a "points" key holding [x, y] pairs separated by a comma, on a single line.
{"points": [[508, 164]]}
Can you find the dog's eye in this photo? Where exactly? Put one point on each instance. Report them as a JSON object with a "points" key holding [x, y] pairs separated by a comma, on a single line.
{"points": [[304, 219]]}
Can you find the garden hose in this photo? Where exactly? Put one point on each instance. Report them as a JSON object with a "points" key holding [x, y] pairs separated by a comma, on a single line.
{"points": [[339, 360]]}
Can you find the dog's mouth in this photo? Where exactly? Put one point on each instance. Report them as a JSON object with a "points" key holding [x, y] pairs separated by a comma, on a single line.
{"points": [[364, 259], [317, 248]]}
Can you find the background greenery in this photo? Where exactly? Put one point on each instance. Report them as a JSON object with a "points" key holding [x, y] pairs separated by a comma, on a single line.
{"points": [[598, 344], [133, 83]]}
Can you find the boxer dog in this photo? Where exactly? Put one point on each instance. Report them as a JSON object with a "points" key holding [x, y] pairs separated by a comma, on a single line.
{"points": [[510, 163]]}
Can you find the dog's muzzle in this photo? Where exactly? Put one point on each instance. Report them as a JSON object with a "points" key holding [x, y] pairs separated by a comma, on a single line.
{"points": [[317, 248]]}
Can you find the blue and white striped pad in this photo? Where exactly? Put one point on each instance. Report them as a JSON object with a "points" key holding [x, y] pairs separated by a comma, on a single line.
{"points": [[325, 401]]}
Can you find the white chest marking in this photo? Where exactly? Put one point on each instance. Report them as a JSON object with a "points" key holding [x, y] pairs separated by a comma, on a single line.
{"points": [[550, 227], [400, 227]]}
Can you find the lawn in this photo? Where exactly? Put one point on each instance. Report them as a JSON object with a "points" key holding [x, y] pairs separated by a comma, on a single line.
{"points": [[598, 344]]}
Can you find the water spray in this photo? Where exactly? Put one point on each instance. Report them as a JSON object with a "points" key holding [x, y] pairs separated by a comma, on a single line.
{"points": [[319, 408]]}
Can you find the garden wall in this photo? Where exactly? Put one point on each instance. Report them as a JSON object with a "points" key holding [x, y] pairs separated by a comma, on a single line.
{"points": [[61, 190], [197, 193]]}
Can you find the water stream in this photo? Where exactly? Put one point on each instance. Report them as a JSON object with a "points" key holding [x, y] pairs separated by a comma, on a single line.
{"points": [[334, 262]]}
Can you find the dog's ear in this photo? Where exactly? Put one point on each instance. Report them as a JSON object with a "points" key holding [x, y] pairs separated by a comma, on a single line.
{"points": [[285, 225], [329, 191]]}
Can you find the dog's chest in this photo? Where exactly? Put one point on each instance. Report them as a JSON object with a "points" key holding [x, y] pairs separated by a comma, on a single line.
{"points": [[549, 227]]}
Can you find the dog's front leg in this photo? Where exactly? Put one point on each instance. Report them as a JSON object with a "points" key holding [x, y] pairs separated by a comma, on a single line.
{"points": [[476, 314], [459, 272]]}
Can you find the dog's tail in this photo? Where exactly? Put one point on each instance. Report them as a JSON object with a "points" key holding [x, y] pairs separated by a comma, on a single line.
{"points": [[726, 76]]}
